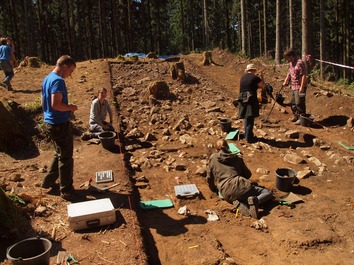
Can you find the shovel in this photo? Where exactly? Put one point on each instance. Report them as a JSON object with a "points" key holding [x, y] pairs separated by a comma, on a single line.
{"points": [[266, 120]]}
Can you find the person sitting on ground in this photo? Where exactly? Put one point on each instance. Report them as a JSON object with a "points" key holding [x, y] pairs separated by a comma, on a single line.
{"points": [[98, 113], [228, 174]]}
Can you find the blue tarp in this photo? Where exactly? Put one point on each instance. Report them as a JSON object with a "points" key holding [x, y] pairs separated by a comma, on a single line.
{"points": [[143, 55], [130, 54]]}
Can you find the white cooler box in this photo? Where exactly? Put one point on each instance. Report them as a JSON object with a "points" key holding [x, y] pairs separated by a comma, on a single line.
{"points": [[83, 215]]}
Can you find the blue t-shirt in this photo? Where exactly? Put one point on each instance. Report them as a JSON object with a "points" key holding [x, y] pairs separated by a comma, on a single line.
{"points": [[5, 51], [54, 83]]}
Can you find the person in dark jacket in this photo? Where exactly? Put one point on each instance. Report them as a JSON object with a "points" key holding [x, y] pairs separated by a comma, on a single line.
{"points": [[228, 175], [248, 106]]}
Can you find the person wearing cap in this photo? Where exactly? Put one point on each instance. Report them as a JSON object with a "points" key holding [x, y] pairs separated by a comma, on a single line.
{"points": [[248, 105], [228, 175], [297, 77]]}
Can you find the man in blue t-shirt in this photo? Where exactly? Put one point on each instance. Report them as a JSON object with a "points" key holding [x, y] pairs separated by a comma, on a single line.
{"points": [[6, 54], [56, 110]]}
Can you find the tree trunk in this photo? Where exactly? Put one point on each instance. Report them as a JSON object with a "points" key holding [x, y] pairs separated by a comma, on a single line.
{"points": [[305, 28], [243, 26], [277, 33], [129, 41], [321, 37], [265, 27], [191, 26], [206, 25], [227, 22], [291, 28], [260, 30], [346, 41]]}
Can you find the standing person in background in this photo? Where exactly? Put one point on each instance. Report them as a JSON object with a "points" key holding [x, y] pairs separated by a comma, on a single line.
{"points": [[297, 76], [12, 57], [6, 54], [57, 110], [248, 105]]}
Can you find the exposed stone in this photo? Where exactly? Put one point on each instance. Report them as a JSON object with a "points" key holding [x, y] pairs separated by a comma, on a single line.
{"points": [[317, 142], [263, 171], [199, 125], [306, 153], [183, 123], [350, 122], [147, 164], [292, 134], [41, 210], [15, 177], [42, 170], [166, 132], [150, 137], [129, 91], [208, 104], [325, 147], [201, 171], [321, 170], [315, 161], [142, 185], [264, 178], [293, 159], [214, 109], [186, 139], [304, 174], [135, 133], [141, 179], [261, 133]]}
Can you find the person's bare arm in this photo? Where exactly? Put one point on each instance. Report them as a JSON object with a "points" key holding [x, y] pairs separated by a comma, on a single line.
{"points": [[261, 84], [303, 84], [57, 103], [286, 81], [12, 60]]}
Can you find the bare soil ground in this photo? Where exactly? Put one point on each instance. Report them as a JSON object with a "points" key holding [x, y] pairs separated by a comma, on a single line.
{"points": [[160, 140]]}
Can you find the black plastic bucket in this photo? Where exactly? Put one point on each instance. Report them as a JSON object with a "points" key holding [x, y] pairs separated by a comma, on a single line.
{"points": [[225, 125], [285, 178], [31, 251], [107, 139]]}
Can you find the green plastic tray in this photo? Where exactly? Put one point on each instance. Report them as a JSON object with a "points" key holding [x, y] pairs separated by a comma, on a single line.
{"points": [[233, 148], [231, 135], [156, 204]]}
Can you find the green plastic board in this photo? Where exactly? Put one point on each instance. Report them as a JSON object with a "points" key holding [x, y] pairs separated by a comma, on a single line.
{"points": [[155, 204], [231, 135], [233, 148]]}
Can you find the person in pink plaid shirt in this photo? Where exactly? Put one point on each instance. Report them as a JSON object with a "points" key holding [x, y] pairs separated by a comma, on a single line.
{"points": [[298, 77]]}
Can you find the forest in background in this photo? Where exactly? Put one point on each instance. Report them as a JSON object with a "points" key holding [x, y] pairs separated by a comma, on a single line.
{"points": [[91, 29]]}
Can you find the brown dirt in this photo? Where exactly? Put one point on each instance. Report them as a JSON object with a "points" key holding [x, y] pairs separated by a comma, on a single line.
{"points": [[317, 231]]}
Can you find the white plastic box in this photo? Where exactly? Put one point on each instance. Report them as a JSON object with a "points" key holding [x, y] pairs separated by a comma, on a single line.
{"points": [[88, 214]]}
